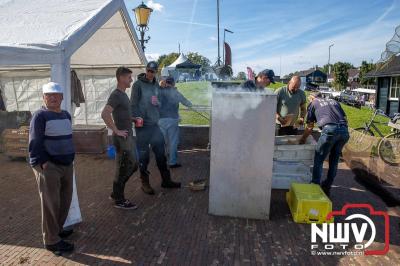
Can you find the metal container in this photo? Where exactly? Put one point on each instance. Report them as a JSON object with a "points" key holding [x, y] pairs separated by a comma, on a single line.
{"points": [[242, 138]]}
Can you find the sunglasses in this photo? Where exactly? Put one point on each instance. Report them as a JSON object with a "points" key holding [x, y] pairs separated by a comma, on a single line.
{"points": [[151, 71]]}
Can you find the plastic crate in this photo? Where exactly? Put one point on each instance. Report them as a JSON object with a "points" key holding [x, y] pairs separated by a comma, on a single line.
{"points": [[308, 203]]}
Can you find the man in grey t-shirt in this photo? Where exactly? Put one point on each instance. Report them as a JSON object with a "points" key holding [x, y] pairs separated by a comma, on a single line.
{"points": [[291, 100], [117, 116]]}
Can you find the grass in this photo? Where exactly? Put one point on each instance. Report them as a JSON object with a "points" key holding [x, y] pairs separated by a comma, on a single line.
{"points": [[199, 93], [276, 86], [358, 118]]}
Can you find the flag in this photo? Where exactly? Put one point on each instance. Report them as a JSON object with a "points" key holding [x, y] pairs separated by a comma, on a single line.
{"points": [[228, 55], [250, 75]]}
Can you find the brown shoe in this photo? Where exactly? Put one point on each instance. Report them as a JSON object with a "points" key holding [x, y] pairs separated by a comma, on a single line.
{"points": [[146, 184], [147, 188]]}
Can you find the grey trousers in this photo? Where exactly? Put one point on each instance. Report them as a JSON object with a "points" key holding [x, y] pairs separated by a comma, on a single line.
{"points": [[55, 185]]}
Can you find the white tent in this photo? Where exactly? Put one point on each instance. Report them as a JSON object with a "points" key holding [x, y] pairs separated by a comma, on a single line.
{"points": [[182, 62], [165, 71], [42, 40], [366, 91]]}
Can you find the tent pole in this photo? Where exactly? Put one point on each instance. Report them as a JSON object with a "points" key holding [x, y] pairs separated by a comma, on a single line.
{"points": [[61, 73]]}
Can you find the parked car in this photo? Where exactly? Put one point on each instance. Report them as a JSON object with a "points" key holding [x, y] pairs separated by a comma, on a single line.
{"points": [[311, 87], [350, 98]]}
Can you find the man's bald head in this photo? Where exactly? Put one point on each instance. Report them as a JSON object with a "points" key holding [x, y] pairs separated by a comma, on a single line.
{"points": [[294, 84]]}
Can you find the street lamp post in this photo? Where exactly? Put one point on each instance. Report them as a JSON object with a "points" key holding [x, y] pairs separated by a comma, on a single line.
{"points": [[329, 59], [142, 15]]}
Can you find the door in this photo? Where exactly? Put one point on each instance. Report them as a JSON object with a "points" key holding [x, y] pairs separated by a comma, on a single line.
{"points": [[383, 94]]}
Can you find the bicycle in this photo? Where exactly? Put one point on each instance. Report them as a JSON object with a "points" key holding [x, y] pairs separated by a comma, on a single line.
{"points": [[388, 152]]}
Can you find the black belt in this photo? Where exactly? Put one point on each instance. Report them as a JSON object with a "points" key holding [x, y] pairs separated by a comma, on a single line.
{"points": [[335, 124]]}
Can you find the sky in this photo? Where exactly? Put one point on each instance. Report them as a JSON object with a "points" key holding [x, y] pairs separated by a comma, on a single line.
{"points": [[283, 35]]}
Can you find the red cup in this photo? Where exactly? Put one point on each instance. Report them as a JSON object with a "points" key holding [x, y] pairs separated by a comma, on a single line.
{"points": [[154, 100], [138, 122]]}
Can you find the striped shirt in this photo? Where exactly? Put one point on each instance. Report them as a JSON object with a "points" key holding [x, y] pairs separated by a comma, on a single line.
{"points": [[50, 138]]}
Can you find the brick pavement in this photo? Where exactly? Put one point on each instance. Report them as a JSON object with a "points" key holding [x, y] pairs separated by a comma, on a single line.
{"points": [[171, 228]]}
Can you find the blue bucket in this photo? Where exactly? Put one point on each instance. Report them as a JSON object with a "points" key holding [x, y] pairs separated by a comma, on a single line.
{"points": [[111, 151]]}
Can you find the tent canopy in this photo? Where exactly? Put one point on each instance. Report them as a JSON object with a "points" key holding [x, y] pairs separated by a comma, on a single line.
{"points": [[183, 62], [61, 33], [46, 32]]}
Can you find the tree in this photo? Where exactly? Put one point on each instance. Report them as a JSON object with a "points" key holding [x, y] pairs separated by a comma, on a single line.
{"points": [[166, 60], [341, 75], [325, 68], [241, 76], [364, 69], [197, 58]]}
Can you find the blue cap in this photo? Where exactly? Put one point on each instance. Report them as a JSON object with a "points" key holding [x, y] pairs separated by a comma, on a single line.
{"points": [[152, 65], [170, 80], [268, 73]]}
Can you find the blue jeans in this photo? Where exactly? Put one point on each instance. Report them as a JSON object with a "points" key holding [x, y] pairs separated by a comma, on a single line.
{"points": [[170, 129], [332, 140]]}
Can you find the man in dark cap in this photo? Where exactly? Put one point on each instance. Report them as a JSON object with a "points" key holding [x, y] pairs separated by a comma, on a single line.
{"points": [[145, 111], [262, 80], [331, 119]]}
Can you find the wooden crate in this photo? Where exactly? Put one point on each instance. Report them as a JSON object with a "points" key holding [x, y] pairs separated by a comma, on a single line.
{"points": [[90, 139], [16, 141]]}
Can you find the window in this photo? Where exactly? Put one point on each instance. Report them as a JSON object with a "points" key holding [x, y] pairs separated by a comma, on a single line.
{"points": [[395, 88]]}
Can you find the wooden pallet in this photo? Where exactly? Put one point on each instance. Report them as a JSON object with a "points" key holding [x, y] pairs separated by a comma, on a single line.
{"points": [[16, 141]]}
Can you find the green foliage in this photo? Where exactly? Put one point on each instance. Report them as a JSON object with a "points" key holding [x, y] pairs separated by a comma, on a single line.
{"points": [[364, 69], [341, 75], [197, 58], [325, 69], [241, 76], [165, 60]]}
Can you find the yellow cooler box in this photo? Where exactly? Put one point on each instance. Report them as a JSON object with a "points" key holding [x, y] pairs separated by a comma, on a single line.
{"points": [[308, 203]]}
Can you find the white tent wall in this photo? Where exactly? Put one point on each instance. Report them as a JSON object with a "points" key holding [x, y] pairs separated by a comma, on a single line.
{"points": [[111, 45], [94, 34], [22, 91]]}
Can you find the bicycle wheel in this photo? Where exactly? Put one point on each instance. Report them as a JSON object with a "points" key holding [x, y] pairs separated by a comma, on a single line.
{"points": [[359, 141], [389, 149]]}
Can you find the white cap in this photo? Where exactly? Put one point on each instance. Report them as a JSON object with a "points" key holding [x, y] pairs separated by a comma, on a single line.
{"points": [[52, 87]]}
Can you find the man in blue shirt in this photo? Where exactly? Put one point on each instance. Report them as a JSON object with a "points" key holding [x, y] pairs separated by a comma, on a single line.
{"points": [[51, 153], [170, 98], [331, 119]]}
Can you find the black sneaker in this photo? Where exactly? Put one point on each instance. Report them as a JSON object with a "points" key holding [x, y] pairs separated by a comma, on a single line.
{"points": [[65, 233], [170, 184], [326, 190], [177, 165], [60, 247], [126, 205]]}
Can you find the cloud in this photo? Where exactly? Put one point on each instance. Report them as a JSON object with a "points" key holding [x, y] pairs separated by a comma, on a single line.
{"points": [[155, 6], [152, 57], [213, 38], [191, 23], [386, 12], [364, 43]]}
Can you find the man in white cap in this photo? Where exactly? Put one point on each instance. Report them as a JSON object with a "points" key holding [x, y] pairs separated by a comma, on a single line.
{"points": [[51, 153]]}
